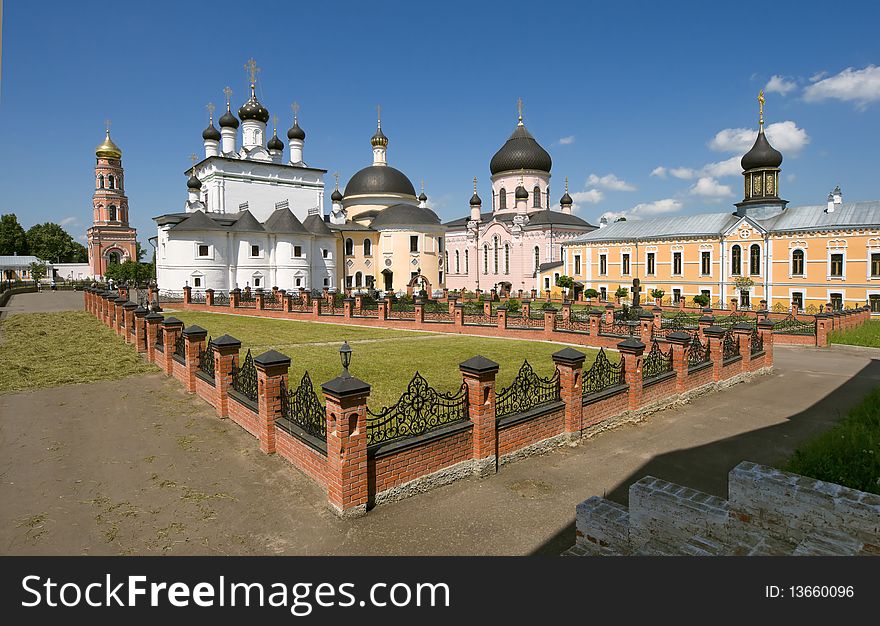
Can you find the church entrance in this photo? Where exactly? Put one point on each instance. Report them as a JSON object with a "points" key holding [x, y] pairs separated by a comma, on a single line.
{"points": [[388, 275]]}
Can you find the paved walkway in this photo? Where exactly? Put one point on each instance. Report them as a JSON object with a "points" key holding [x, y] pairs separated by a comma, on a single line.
{"points": [[44, 302], [140, 467]]}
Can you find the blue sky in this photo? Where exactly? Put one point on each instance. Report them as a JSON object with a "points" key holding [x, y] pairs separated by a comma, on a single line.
{"points": [[638, 102]]}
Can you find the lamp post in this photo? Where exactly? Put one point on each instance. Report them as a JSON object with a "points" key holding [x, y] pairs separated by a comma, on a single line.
{"points": [[345, 357]]}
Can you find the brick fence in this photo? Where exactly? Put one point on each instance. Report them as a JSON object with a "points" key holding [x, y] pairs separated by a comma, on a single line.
{"points": [[428, 438]]}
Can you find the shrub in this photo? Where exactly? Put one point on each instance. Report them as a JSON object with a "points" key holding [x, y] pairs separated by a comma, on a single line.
{"points": [[513, 306], [701, 299], [591, 293], [657, 293]]}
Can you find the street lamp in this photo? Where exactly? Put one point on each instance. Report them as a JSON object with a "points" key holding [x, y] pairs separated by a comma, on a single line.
{"points": [[345, 357]]}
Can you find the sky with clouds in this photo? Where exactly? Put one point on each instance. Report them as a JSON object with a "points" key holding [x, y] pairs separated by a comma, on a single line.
{"points": [[645, 107]]}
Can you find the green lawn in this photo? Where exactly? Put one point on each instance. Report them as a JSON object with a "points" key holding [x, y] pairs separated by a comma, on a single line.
{"points": [[387, 359], [849, 453], [867, 334], [50, 349]]}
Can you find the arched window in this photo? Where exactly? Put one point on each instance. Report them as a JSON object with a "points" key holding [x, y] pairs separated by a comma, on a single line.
{"points": [[502, 198], [495, 255], [446, 261], [736, 260], [101, 181], [113, 258], [368, 247], [110, 181], [457, 266], [536, 195], [537, 257], [349, 247], [485, 258], [358, 279], [507, 258], [755, 259], [797, 262], [112, 211], [466, 268]]}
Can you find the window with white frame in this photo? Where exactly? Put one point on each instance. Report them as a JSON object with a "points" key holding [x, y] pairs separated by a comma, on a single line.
{"points": [[649, 263], [676, 263], [297, 251], [349, 247], [197, 281], [325, 253], [577, 264], [755, 259], [414, 243], [705, 263], [835, 265], [603, 264], [624, 263], [203, 251], [255, 250], [875, 265], [457, 265], [797, 262], [368, 247]]}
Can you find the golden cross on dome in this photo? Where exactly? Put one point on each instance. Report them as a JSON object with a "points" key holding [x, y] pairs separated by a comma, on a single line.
{"points": [[210, 106], [228, 92], [336, 176], [566, 184], [475, 184], [761, 107], [193, 158], [107, 125], [275, 123], [295, 107], [519, 109], [379, 115], [252, 69]]}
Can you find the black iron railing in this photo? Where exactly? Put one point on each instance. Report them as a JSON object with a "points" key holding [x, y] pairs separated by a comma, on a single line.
{"points": [[206, 359], [302, 407], [180, 347], [791, 325], [656, 362], [168, 296], [197, 297], [730, 346], [697, 352], [420, 409], [757, 342], [160, 338], [527, 391], [221, 298], [244, 378], [622, 328], [602, 375]]}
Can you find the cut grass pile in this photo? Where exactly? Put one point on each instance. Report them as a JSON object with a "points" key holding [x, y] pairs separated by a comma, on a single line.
{"points": [[50, 349], [387, 359], [849, 453], [868, 334]]}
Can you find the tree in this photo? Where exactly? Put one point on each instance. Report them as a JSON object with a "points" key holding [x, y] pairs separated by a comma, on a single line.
{"points": [[621, 292], [38, 271], [701, 299], [139, 251], [657, 293], [129, 271], [51, 242], [13, 239], [566, 282], [589, 294]]}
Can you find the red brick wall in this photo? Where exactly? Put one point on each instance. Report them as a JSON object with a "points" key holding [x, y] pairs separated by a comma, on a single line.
{"points": [[595, 412], [794, 340], [243, 416], [206, 391], [659, 390], [518, 436], [178, 370], [305, 458], [401, 467], [699, 378], [757, 362]]}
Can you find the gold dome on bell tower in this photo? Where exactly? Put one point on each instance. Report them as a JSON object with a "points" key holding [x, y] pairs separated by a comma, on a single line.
{"points": [[107, 149]]}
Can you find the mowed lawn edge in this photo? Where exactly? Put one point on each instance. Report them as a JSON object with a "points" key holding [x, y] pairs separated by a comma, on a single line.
{"points": [[385, 358], [868, 334], [40, 350]]}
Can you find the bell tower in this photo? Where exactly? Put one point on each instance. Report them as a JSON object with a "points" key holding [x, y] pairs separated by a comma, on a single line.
{"points": [[110, 238]]}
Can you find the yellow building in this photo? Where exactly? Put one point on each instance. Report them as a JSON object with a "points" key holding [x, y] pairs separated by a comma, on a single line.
{"points": [[764, 250]]}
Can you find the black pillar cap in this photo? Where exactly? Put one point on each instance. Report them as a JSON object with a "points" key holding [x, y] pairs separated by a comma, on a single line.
{"points": [[768, 323], [569, 356], [140, 311], [236, 290], [678, 337], [190, 331], [715, 330], [154, 317], [706, 318], [630, 344], [742, 326], [343, 386], [209, 289], [270, 358], [501, 308], [657, 308], [224, 341], [550, 309], [130, 306], [478, 365], [646, 316], [172, 321]]}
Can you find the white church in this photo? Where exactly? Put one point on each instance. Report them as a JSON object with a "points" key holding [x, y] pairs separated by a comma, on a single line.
{"points": [[251, 220]]}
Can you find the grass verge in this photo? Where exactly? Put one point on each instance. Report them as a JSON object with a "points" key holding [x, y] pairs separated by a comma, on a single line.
{"points": [[868, 334], [849, 453]]}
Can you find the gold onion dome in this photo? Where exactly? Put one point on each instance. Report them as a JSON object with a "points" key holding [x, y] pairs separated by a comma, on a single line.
{"points": [[107, 149]]}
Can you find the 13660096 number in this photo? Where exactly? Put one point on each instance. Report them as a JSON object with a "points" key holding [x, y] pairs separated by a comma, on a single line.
{"points": [[821, 591]]}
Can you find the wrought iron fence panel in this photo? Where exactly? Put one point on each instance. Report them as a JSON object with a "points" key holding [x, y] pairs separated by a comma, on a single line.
{"points": [[812, 309], [180, 346], [169, 297], [728, 321], [197, 297], [697, 352], [517, 320], [730, 346], [602, 374], [273, 303], [419, 409], [302, 407], [656, 362], [437, 316], [299, 304], [619, 327], [480, 319], [206, 358], [779, 307], [221, 298], [527, 391], [244, 378], [757, 342], [791, 325], [160, 338]]}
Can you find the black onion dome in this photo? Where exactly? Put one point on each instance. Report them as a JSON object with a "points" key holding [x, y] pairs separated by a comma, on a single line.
{"points": [[336, 196], [211, 133], [402, 215], [762, 154], [379, 139], [275, 143], [253, 110], [475, 200], [379, 179], [193, 183], [521, 193], [565, 200], [520, 152], [423, 197], [295, 132], [228, 120]]}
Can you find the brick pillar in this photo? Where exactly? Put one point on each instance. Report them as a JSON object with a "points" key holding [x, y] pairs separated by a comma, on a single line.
{"points": [[306, 297], [272, 369], [128, 320], [477, 293], [743, 333], [325, 293], [209, 297], [487, 308], [681, 303], [226, 350], [194, 340], [646, 327], [526, 308], [566, 313], [570, 364], [153, 322], [316, 307], [493, 294], [347, 307], [595, 322], [140, 329], [382, 309], [170, 329], [275, 294], [420, 311], [502, 317], [119, 316], [678, 344], [187, 294], [234, 298], [549, 322], [445, 295], [609, 314], [450, 302], [479, 377], [154, 298], [347, 483], [286, 301], [109, 310], [714, 335], [631, 351], [459, 314], [259, 299], [359, 303], [703, 323], [765, 327], [658, 317]]}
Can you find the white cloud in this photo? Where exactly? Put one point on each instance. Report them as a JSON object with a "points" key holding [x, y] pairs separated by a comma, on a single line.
{"points": [[591, 196], [779, 84], [851, 85], [684, 173], [612, 216], [667, 205], [708, 187], [818, 76], [728, 167], [610, 182], [659, 172], [785, 136], [67, 221], [564, 141]]}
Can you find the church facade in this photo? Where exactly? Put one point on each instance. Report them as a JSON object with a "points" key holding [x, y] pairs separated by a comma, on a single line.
{"points": [[506, 247]]}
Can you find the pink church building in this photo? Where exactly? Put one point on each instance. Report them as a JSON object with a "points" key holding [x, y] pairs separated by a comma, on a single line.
{"points": [[506, 247]]}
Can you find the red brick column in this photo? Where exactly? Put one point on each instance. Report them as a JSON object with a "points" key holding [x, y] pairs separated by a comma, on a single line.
{"points": [[306, 296], [347, 483], [140, 328], [170, 329], [703, 323], [358, 302], [450, 303], [316, 307], [445, 295], [116, 307], [347, 307], [187, 294], [234, 298], [609, 315], [631, 351], [459, 314], [272, 369], [657, 312], [646, 327], [743, 333], [566, 313], [714, 335], [420, 311], [487, 308], [226, 350], [502, 317], [154, 327], [479, 377], [154, 298], [549, 322], [209, 297], [274, 295], [679, 343], [259, 299], [194, 338], [765, 327], [595, 322], [570, 364], [128, 320], [526, 308]]}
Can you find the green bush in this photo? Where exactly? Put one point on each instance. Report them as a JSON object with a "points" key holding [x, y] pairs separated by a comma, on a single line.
{"points": [[701, 299], [657, 293], [514, 306], [591, 293]]}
